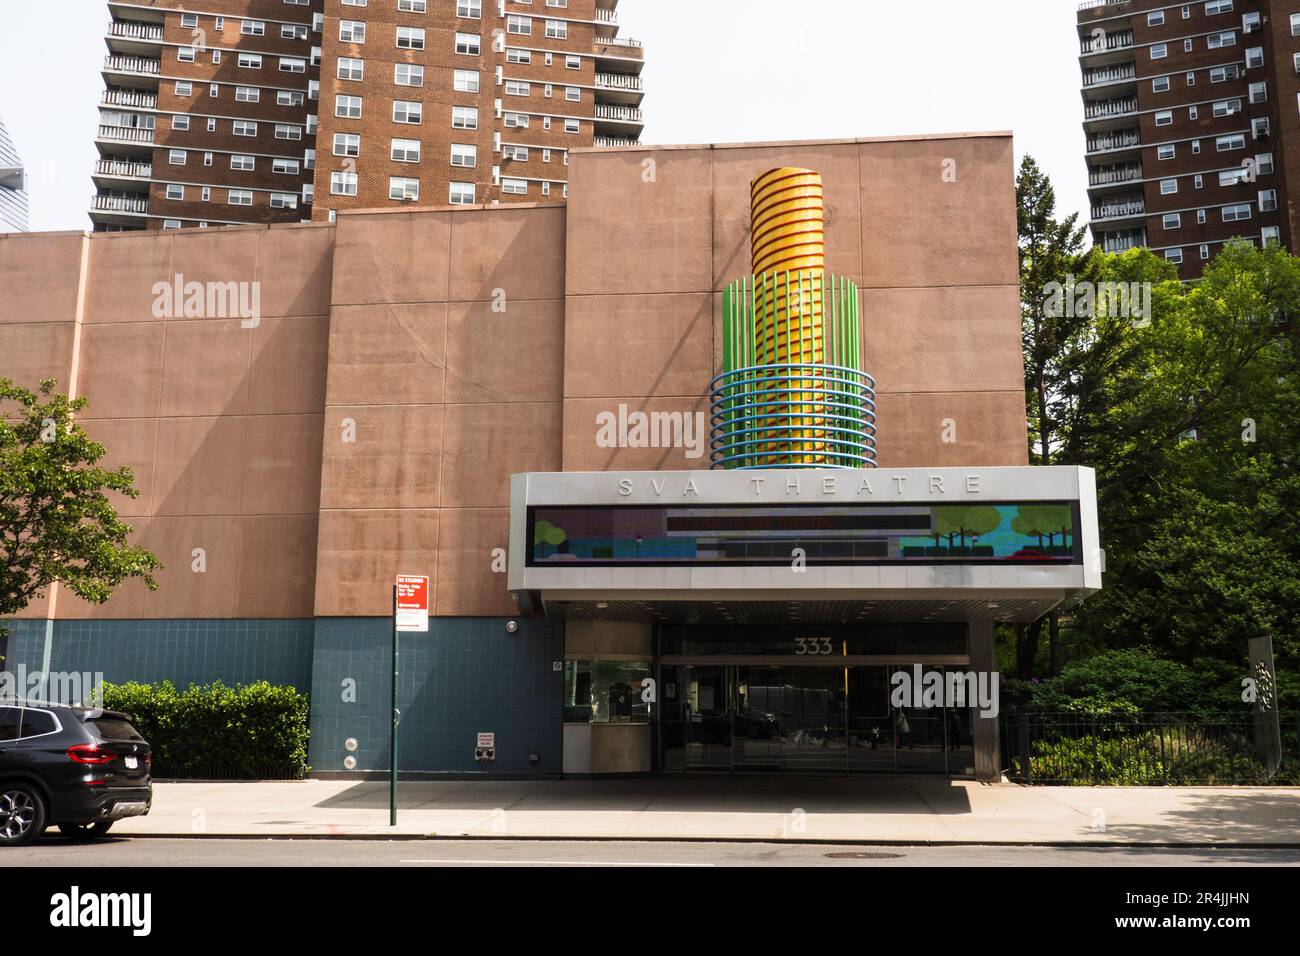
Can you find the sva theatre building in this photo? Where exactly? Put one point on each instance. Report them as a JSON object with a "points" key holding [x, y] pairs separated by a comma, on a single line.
{"points": [[716, 467]]}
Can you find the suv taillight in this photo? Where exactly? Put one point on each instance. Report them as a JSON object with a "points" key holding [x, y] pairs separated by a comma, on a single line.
{"points": [[90, 754]]}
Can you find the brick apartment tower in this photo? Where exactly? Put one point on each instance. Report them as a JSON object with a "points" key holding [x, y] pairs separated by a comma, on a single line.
{"points": [[1191, 118], [212, 109]]}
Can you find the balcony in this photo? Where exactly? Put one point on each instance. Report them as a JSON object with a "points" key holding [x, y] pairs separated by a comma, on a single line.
{"points": [[1109, 74], [125, 204], [1106, 42], [1097, 4], [618, 53], [617, 81], [120, 169], [127, 30], [1102, 109], [1124, 209], [133, 65], [623, 89], [618, 114], [1119, 139], [607, 141], [132, 98], [117, 167], [1106, 175], [126, 134], [619, 41], [604, 15], [1123, 241]]}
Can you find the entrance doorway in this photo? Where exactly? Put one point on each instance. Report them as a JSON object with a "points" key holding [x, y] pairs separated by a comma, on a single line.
{"points": [[805, 718]]}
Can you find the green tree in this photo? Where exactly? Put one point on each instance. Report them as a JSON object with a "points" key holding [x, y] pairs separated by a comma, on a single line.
{"points": [[1043, 521], [962, 522], [1190, 422], [56, 521], [1187, 413], [1052, 262]]}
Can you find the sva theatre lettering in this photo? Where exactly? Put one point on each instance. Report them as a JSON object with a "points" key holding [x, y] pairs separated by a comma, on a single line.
{"points": [[828, 486]]}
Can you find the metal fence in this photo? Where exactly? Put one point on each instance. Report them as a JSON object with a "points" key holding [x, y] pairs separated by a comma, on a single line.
{"points": [[1144, 750], [160, 772]]}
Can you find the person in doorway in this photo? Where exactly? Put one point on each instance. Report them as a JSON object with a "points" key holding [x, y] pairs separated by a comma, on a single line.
{"points": [[904, 741], [954, 728]]}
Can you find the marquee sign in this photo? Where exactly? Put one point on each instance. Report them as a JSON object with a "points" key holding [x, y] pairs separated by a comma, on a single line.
{"points": [[763, 535], [612, 535]]}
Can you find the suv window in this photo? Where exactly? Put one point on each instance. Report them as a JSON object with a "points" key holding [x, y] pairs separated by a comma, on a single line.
{"points": [[9, 723], [37, 722], [112, 728]]}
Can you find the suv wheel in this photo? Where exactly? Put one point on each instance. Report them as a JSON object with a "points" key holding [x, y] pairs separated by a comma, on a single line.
{"points": [[85, 831], [22, 814]]}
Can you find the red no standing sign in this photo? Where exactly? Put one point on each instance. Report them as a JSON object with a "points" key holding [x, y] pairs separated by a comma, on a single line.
{"points": [[412, 602]]}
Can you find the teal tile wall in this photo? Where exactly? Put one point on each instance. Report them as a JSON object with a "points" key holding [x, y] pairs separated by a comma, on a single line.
{"points": [[26, 643], [183, 652], [465, 676]]}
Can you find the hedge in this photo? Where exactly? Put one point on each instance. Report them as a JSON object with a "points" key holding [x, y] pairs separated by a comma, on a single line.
{"points": [[247, 732], [1137, 681], [1155, 757]]}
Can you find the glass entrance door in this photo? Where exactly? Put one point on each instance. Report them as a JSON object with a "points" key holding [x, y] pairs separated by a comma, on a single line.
{"points": [[812, 719], [922, 747], [707, 716], [870, 724], [756, 740]]}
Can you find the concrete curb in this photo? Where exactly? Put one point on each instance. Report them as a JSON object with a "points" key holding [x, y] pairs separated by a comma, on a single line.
{"points": [[497, 838]]}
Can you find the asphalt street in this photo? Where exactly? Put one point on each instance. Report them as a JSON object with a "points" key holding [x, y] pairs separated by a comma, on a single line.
{"points": [[144, 852]]}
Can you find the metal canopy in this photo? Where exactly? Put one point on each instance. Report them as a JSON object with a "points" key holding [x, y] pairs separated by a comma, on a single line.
{"points": [[882, 611], [957, 588]]}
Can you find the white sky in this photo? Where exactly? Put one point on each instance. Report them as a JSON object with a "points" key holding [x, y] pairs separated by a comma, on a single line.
{"points": [[717, 71]]}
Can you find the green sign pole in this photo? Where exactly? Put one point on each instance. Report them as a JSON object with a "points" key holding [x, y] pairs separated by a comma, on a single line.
{"points": [[392, 747]]}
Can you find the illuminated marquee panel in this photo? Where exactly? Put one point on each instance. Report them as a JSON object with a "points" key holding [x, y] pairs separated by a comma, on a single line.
{"points": [[1034, 533]]}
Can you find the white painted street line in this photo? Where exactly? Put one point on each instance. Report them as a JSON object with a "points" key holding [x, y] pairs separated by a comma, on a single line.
{"points": [[551, 863]]}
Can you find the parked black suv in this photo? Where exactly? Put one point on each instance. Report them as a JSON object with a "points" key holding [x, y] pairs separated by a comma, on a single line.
{"points": [[77, 768]]}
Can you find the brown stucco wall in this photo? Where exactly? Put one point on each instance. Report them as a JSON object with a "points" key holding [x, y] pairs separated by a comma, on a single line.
{"points": [[446, 396], [655, 235], [219, 422], [460, 346]]}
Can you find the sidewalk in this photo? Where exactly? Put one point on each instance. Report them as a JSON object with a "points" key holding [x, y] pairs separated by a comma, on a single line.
{"points": [[871, 810]]}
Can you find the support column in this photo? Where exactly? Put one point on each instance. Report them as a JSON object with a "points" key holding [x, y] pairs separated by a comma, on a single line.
{"points": [[988, 766]]}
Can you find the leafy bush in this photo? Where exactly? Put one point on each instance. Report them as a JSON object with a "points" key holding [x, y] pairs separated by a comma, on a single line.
{"points": [[247, 732], [1124, 681], [1159, 757], [1132, 681]]}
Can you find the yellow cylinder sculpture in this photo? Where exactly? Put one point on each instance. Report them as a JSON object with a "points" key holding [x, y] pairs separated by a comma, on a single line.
{"points": [[787, 217], [792, 392]]}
